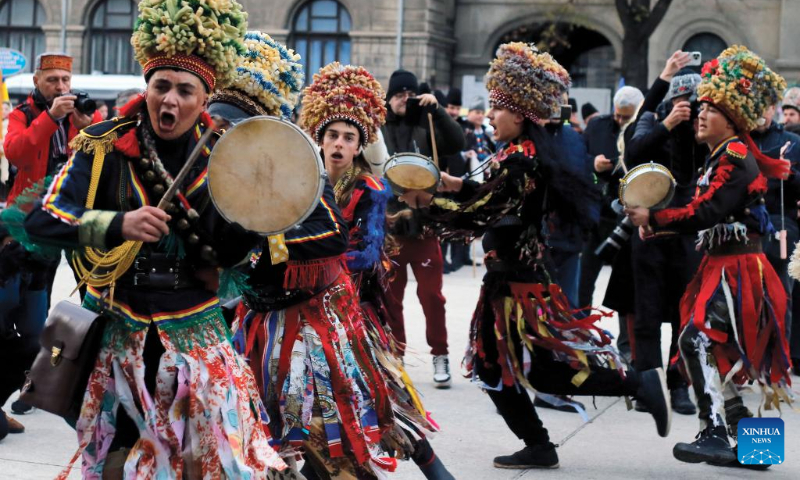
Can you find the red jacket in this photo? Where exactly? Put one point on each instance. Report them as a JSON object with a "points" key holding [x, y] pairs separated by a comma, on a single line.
{"points": [[27, 147]]}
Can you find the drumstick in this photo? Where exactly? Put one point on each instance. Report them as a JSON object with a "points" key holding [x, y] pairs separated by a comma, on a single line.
{"points": [[173, 189], [433, 141]]}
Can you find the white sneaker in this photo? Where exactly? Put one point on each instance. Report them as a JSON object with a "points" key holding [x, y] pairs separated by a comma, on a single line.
{"points": [[441, 371]]}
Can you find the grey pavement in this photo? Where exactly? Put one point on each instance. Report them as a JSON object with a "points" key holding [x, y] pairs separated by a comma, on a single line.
{"points": [[615, 444]]}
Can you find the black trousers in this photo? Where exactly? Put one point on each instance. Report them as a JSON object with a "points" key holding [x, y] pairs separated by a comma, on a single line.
{"points": [[662, 268], [550, 376]]}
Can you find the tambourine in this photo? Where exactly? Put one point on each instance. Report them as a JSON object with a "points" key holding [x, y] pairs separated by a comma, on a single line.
{"points": [[649, 185]]}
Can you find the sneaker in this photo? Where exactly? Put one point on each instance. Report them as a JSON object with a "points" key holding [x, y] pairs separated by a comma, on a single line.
{"points": [[541, 403], [680, 401], [653, 394], [21, 408], [13, 425], [711, 446], [441, 371], [532, 456], [640, 406]]}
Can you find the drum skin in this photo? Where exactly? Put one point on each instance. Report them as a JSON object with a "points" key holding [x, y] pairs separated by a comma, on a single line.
{"points": [[649, 185], [266, 175], [411, 171]]}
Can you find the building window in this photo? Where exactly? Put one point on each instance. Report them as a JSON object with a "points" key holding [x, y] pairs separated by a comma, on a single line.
{"points": [[109, 47], [320, 35], [708, 44], [21, 28]]}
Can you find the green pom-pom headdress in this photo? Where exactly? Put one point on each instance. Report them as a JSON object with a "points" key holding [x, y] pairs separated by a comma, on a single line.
{"points": [[525, 81], [739, 83], [203, 37], [268, 78]]}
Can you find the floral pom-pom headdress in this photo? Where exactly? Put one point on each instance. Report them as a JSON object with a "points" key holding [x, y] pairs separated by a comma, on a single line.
{"points": [[739, 83], [203, 37], [343, 93], [525, 81], [268, 78]]}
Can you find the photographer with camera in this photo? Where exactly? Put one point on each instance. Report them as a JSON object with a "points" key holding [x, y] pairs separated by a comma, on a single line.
{"points": [[663, 265], [37, 145], [407, 130]]}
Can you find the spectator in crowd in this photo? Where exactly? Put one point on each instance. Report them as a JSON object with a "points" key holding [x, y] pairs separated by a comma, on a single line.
{"points": [[124, 97], [791, 106], [574, 120], [601, 137], [663, 265], [102, 108], [771, 137], [457, 165], [588, 112], [37, 144], [417, 246]]}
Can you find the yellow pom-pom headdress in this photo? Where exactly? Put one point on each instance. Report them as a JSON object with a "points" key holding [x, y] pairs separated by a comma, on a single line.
{"points": [[203, 37], [268, 79], [525, 81], [739, 83], [343, 93]]}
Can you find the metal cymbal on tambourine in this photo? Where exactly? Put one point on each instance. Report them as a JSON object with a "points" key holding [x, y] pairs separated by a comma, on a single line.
{"points": [[649, 185], [266, 175]]}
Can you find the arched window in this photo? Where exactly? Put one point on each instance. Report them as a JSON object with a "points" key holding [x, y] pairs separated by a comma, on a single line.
{"points": [[109, 38], [709, 44], [21, 28], [320, 35]]}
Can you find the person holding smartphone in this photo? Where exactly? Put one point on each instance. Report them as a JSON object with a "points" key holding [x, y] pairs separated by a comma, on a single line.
{"points": [[407, 130]]}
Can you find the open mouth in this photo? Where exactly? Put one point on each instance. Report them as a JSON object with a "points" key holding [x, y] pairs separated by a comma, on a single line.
{"points": [[167, 120], [336, 156]]}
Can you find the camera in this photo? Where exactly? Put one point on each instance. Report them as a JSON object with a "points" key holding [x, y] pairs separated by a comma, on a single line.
{"points": [[83, 103], [621, 234]]}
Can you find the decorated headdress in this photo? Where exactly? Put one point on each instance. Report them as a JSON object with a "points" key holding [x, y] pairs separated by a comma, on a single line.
{"points": [[343, 93], [268, 79], [740, 84], [49, 61], [525, 81], [203, 37]]}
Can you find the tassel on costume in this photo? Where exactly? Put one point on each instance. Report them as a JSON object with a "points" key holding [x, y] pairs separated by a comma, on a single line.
{"points": [[311, 273]]}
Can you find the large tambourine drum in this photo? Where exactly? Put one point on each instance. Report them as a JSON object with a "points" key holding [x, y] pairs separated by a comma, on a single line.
{"points": [[411, 171], [649, 185], [266, 175]]}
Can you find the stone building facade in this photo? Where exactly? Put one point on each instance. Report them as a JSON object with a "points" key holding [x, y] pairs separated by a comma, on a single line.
{"points": [[442, 40]]}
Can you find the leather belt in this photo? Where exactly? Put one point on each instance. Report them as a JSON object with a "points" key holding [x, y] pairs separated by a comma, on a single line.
{"points": [[158, 271]]}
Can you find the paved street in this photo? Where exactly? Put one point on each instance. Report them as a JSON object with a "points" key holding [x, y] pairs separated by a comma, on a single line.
{"points": [[615, 444]]}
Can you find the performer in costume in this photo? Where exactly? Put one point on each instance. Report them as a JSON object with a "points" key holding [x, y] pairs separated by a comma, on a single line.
{"points": [[343, 111], [732, 313], [299, 324], [523, 332], [169, 397]]}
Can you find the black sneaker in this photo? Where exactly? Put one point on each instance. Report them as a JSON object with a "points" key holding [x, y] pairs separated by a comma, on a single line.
{"points": [[541, 403], [653, 394], [681, 403], [21, 408], [640, 406], [711, 446], [532, 456]]}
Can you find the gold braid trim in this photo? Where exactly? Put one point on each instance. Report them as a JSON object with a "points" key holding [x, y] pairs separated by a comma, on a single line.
{"points": [[105, 267]]}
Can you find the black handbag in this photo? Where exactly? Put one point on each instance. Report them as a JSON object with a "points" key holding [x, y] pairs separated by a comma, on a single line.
{"points": [[70, 343]]}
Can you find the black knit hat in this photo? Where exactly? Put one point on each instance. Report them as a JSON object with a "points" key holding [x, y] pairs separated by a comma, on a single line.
{"points": [[424, 88], [440, 97], [454, 97], [401, 81], [588, 110]]}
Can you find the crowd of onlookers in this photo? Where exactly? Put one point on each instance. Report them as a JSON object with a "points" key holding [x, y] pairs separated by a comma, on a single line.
{"points": [[648, 276]]}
